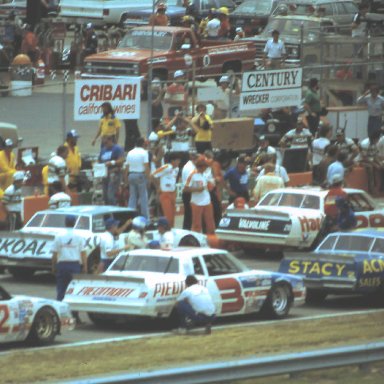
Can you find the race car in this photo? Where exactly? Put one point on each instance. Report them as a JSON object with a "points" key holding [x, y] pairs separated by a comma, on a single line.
{"points": [[344, 262], [25, 251], [146, 283], [32, 319], [291, 218]]}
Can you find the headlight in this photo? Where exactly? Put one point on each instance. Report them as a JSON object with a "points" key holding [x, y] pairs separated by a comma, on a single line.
{"points": [[136, 69]]}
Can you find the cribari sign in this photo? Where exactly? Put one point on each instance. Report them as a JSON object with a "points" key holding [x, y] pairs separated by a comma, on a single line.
{"points": [[122, 93], [271, 89]]}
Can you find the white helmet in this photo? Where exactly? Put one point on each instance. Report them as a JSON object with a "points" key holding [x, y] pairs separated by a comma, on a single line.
{"points": [[18, 176], [153, 136], [139, 222]]}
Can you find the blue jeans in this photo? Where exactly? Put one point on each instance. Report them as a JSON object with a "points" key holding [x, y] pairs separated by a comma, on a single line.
{"points": [[64, 274], [138, 191], [187, 315], [111, 185]]}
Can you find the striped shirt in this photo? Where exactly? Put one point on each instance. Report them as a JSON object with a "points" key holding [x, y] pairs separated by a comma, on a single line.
{"points": [[168, 177]]}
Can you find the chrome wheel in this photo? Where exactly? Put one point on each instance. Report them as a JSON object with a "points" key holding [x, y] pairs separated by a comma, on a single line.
{"points": [[45, 327]]}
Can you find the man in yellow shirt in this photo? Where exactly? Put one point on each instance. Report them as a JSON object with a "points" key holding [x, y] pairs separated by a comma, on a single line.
{"points": [[202, 125], [7, 164], [73, 160]]}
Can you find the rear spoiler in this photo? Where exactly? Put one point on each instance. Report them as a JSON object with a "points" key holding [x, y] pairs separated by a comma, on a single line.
{"points": [[257, 213], [128, 279]]}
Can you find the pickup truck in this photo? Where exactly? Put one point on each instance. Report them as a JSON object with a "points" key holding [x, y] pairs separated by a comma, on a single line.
{"points": [[170, 47]]}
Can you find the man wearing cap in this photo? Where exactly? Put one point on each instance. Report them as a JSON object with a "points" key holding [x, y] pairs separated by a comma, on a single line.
{"points": [[164, 234], [263, 149], [68, 256], [137, 238], [347, 145], [198, 185], [57, 169], [237, 180], [225, 26], [159, 18], [202, 125], [168, 174], [319, 147], [12, 201], [213, 26], [91, 42], [176, 95], [240, 34], [7, 164], [188, 168], [59, 199], [267, 182], [222, 105], [73, 160], [274, 51], [312, 105], [336, 168]]}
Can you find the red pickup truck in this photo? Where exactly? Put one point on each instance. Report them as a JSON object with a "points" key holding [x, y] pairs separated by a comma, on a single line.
{"points": [[170, 45]]}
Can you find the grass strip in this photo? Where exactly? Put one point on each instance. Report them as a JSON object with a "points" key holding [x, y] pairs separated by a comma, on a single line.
{"points": [[153, 353]]}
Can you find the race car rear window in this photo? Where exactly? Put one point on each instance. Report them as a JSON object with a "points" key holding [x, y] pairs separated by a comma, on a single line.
{"points": [[328, 243], [354, 243], [220, 264], [56, 220], [146, 264], [359, 202]]}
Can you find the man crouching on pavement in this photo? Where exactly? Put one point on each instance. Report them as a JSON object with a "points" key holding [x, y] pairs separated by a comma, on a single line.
{"points": [[195, 307]]}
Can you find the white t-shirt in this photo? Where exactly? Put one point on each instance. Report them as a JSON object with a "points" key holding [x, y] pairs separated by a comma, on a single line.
{"points": [[298, 139], [188, 168], [12, 199], [59, 200], [213, 27], [107, 244], [199, 298], [166, 240], [274, 50], [135, 240], [69, 247], [196, 180], [168, 177], [318, 149], [361, 28], [57, 167], [279, 171], [136, 160]]}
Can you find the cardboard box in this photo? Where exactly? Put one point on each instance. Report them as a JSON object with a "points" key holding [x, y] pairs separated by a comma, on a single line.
{"points": [[235, 134]]}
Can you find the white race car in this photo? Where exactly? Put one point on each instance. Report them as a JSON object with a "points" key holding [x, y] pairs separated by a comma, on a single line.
{"points": [[292, 218], [32, 319], [146, 283], [25, 251]]}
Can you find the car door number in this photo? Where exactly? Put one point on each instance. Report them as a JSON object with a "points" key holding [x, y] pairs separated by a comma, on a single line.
{"points": [[230, 293], [4, 316]]}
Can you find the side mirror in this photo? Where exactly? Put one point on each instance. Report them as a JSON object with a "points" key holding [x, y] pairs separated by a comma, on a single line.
{"points": [[186, 47]]}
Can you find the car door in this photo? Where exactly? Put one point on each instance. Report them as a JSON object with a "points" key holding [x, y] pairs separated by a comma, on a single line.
{"points": [[9, 326]]}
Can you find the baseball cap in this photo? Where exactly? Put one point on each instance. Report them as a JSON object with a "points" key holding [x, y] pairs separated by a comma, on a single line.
{"points": [[239, 29], [111, 222], [178, 73], [8, 143], [73, 134], [89, 25], [336, 178], [224, 79], [18, 176], [162, 222]]}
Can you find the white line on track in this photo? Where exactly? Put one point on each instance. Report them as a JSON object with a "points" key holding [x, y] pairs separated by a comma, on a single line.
{"points": [[163, 334]]}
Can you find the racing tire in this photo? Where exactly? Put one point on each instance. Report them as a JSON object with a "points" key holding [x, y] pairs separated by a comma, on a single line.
{"points": [[99, 319], [189, 241], [93, 262], [315, 296], [21, 273], [45, 327], [278, 302]]}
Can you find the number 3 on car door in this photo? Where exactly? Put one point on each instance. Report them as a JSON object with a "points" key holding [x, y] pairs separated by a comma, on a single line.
{"points": [[230, 293]]}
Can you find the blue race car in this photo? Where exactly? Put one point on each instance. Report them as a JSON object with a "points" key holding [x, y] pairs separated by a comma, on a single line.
{"points": [[344, 262]]}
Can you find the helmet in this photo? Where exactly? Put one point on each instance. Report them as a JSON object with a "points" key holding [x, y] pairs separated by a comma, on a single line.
{"points": [[18, 176], [223, 11], [188, 19], [178, 73], [161, 6], [224, 79], [139, 222], [153, 136]]}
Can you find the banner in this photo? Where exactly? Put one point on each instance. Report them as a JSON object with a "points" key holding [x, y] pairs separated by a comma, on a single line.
{"points": [[271, 89], [122, 93]]}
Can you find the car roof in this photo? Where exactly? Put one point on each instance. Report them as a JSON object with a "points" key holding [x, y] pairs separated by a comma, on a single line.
{"points": [[302, 17], [87, 209], [176, 252], [317, 191], [364, 232]]}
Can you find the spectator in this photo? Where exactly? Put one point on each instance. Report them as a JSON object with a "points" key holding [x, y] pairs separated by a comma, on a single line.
{"points": [[204, 23], [370, 159], [225, 26], [168, 174], [375, 104], [159, 18], [136, 237], [156, 149], [198, 185], [319, 147], [188, 168], [279, 170], [240, 34], [298, 137], [347, 145], [263, 149], [57, 169], [59, 199], [12, 201], [213, 26], [90, 41], [202, 126], [359, 33], [137, 176], [223, 103], [238, 203], [274, 51], [336, 168], [29, 44], [312, 105], [157, 98], [237, 180], [7, 164], [195, 306], [176, 95], [322, 168], [109, 124], [73, 160], [190, 9], [109, 242], [267, 182], [188, 21], [112, 155]]}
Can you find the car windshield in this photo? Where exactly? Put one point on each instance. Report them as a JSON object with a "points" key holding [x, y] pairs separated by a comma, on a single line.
{"points": [[56, 220], [146, 263], [260, 7], [292, 27], [141, 39], [296, 200]]}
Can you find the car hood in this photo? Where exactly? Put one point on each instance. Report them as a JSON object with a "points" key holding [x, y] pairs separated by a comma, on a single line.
{"points": [[124, 54], [146, 12]]}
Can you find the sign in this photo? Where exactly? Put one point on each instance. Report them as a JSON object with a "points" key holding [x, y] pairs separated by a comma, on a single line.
{"points": [[271, 89], [122, 93]]}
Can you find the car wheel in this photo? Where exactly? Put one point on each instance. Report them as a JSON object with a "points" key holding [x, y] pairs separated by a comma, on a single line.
{"points": [[278, 302], [100, 319], [20, 273], [315, 296], [189, 241], [93, 262], [45, 327]]}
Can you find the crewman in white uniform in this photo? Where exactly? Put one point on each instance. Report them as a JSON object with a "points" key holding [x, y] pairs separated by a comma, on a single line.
{"points": [[12, 201], [57, 169], [136, 237], [164, 234], [59, 199]]}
